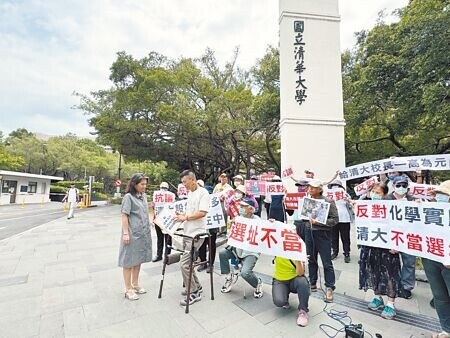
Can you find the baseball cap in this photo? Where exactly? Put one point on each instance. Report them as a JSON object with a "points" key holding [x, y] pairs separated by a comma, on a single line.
{"points": [[400, 179], [238, 177], [201, 183], [444, 188], [302, 181], [164, 185], [315, 184], [241, 188], [223, 175], [337, 182], [248, 201]]}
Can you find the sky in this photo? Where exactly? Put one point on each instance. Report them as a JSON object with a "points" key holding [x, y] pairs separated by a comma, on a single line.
{"points": [[51, 48]]}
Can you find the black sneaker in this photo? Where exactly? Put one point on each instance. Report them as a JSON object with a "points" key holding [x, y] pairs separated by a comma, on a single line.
{"points": [[347, 259], [402, 293]]}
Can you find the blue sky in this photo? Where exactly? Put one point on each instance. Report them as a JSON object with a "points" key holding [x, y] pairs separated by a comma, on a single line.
{"points": [[52, 48]]}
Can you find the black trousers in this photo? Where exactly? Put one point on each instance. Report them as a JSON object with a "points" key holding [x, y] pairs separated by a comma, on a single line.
{"points": [[344, 230], [161, 239], [212, 250]]}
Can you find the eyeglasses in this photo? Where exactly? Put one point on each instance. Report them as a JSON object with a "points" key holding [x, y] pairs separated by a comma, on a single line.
{"points": [[404, 185]]}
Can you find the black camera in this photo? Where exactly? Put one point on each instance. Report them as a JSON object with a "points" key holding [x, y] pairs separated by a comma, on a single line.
{"points": [[354, 331]]}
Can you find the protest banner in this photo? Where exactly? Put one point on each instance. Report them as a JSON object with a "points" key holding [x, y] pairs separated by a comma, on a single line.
{"points": [[226, 194], [269, 238], [214, 218], [233, 207], [419, 229], [420, 190], [314, 208], [409, 163], [275, 188], [161, 198], [291, 200], [287, 172], [266, 177], [254, 187], [165, 216], [182, 191], [338, 195], [363, 187]]}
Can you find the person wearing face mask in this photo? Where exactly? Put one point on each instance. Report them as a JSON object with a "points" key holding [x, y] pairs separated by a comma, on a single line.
{"points": [[161, 238], [239, 194], [379, 268], [248, 259], [408, 271], [438, 274], [238, 180]]}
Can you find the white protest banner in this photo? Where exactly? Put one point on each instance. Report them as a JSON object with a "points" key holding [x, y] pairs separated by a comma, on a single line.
{"points": [[165, 218], [425, 162], [226, 194], [314, 208], [269, 238], [420, 190], [287, 172], [275, 188], [419, 229], [338, 195], [409, 163], [363, 187], [214, 218], [162, 197]]}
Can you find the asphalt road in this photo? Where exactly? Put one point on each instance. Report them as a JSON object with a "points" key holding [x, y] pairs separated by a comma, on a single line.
{"points": [[14, 219]]}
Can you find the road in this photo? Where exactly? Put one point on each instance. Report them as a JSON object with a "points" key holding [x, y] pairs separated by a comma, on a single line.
{"points": [[14, 219]]}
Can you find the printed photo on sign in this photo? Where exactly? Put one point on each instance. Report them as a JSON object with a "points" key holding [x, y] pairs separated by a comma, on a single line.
{"points": [[315, 209]]}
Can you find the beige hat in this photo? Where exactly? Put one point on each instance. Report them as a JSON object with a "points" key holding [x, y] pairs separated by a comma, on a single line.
{"points": [[315, 184], [238, 177], [201, 183], [444, 188], [241, 188], [164, 185]]}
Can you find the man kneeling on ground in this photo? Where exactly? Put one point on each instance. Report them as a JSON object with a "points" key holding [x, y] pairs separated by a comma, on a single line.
{"points": [[247, 259]]}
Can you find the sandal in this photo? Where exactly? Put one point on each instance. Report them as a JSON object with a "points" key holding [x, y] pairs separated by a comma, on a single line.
{"points": [[131, 295], [138, 289]]}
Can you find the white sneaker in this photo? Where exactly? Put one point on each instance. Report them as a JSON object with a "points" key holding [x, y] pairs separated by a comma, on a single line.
{"points": [[259, 289], [229, 281]]}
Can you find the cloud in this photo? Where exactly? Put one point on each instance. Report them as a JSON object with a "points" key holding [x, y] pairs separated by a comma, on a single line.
{"points": [[52, 48]]}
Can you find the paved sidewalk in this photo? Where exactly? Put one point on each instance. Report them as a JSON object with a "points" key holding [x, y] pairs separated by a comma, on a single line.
{"points": [[61, 280]]}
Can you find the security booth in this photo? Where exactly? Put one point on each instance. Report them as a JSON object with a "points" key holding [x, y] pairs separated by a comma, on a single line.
{"points": [[24, 188]]}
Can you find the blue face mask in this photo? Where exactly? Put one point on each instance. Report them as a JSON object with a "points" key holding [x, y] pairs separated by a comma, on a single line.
{"points": [[375, 197], [441, 197], [242, 212], [401, 190]]}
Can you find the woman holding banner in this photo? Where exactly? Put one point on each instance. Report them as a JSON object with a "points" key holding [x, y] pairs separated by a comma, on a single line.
{"points": [[136, 242], [379, 269]]}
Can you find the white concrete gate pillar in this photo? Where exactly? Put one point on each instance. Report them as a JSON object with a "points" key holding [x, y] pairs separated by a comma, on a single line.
{"points": [[311, 118]]}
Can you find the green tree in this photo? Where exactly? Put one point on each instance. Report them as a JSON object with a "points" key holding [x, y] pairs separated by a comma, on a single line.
{"points": [[396, 86]]}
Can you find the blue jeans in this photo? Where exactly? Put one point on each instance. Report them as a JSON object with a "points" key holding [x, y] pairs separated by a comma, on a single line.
{"points": [[319, 242], [248, 263], [408, 272], [282, 289], [439, 278]]}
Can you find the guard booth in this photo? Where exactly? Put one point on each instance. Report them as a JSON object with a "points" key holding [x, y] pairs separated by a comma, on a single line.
{"points": [[24, 188]]}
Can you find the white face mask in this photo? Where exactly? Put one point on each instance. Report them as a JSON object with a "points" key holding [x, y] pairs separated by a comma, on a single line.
{"points": [[238, 195], [401, 190]]}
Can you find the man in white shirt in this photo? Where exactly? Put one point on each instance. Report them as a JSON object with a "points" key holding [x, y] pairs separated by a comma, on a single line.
{"points": [[72, 199], [194, 223]]}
